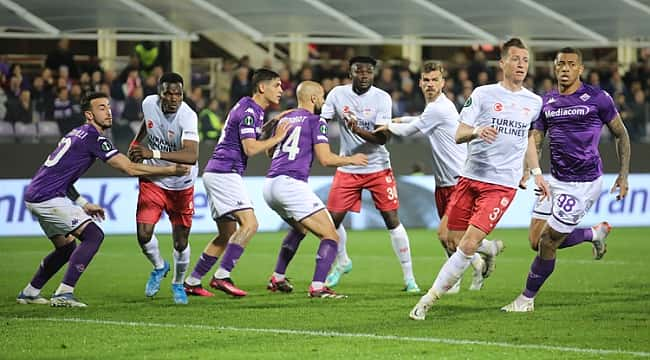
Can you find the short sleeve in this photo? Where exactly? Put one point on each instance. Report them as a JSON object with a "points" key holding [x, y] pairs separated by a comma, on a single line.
{"points": [[606, 108], [319, 131], [247, 122], [102, 148], [428, 120], [384, 110], [328, 111], [189, 126], [471, 109], [540, 123]]}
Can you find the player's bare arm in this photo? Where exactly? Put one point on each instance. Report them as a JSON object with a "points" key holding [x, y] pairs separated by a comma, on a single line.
{"points": [[122, 163], [466, 133], [375, 137], [617, 128], [327, 158], [533, 162], [538, 138], [253, 147], [188, 154]]}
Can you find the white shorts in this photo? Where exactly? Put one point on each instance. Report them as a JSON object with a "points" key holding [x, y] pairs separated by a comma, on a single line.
{"points": [[226, 194], [571, 201], [542, 208], [58, 216], [291, 198]]}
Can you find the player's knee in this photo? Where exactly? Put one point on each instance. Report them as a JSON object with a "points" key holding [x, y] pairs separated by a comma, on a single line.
{"points": [[144, 235]]}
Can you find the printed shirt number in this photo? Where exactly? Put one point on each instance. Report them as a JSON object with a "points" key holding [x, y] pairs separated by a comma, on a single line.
{"points": [[64, 146], [290, 144]]}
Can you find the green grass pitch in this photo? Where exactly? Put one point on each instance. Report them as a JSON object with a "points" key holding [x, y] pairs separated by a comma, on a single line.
{"points": [[587, 310]]}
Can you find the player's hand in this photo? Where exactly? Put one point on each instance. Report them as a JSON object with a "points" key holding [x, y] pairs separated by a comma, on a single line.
{"points": [[381, 129], [396, 120], [139, 152], [181, 170], [359, 159], [542, 190], [486, 133], [351, 122], [621, 184], [523, 183], [281, 130], [95, 211]]}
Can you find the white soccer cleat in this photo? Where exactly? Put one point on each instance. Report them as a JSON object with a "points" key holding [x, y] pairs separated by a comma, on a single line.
{"points": [[490, 258], [600, 245], [520, 304], [419, 312], [478, 279], [25, 300], [65, 300], [455, 289]]}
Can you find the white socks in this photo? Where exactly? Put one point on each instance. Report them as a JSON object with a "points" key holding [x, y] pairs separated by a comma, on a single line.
{"points": [[63, 289], [487, 247], [450, 272], [29, 290], [181, 263], [342, 257], [222, 273], [477, 263], [152, 252], [400, 241], [279, 277]]}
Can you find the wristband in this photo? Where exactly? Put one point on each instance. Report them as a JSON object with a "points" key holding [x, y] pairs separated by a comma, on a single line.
{"points": [[81, 201], [536, 171], [156, 154]]}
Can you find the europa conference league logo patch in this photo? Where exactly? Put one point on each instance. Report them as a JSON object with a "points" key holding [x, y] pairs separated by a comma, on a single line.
{"points": [[323, 129], [106, 146], [248, 120], [468, 102]]}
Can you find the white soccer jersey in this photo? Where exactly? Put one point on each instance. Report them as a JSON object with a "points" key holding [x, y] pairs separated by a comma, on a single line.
{"points": [[166, 133], [372, 108], [439, 122], [511, 113]]}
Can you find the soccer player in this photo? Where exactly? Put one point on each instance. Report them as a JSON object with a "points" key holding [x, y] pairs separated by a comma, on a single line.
{"points": [[439, 122], [286, 190], [495, 121], [222, 178], [171, 128], [360, 108], [63, 214], [573, 116]]}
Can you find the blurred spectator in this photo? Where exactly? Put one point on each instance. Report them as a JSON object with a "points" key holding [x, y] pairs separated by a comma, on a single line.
{"points": [[467, 89], [477, 66], [3, 104], [386, 80], [21, 110], [285, 78], [224, 78], [150, 86], [62, 56], [85, 82], [411, 102], [62, 113], [133, 106], [638, 117], [210, 121], [132, 82], [241, 85], [149, 56], [96, 80], [43, 98]]}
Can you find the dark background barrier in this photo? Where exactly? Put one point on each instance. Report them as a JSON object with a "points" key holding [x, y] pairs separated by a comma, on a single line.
{"points": [[22, 160]]}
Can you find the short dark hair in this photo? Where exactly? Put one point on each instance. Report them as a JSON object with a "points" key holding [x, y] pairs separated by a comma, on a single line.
{"points": [[514, 42], [171, 78], [263, 75], [89, 97], [431, 65], [363, 60], [570, 50]]}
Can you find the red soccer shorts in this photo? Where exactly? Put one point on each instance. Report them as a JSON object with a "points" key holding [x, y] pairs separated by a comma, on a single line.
{"points": [[152, 200], [479, 204], [443, 199], [345, 193]]}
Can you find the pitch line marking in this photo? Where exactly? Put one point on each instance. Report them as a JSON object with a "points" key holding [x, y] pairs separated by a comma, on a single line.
{"points": [[345, 335]]}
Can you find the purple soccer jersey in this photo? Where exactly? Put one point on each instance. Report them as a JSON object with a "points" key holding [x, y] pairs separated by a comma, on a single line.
{"points": [[73, 156], [294, 155], [244, 121], [573, 124]]}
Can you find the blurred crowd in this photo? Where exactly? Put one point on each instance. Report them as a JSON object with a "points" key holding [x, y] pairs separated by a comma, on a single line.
{"points": [[52, 94]]}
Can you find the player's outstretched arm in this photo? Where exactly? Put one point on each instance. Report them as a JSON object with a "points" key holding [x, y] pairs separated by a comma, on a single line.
{"points": [[466, 133], [327, 158], [617, 128], [122, 163], [375, 137], [253, 147], [188, 154], [533, 161], [94, 210]]}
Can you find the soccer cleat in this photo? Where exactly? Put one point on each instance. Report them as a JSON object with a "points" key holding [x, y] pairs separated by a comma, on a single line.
{"points": [[490, 259], [454, 289], [156, 276], [600, 246], [38, 299], [520, 304], [477, 279], [65, 300], [196, 290], [226, 285], [335, 276], [419, 311], [279, 285], [325, 292], [178, 291], [412, 287]]}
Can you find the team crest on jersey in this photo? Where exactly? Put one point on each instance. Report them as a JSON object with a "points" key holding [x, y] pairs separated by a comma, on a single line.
{"points": [[150, 124], [248, 120], [498, 106], [346, 109], [585, 97], [106, 146], [551, 100], [468, 102], [323, 129]]}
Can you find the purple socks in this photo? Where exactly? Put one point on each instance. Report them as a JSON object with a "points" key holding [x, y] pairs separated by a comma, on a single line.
{"points": [[205, 263], [51, 264], [540, 270], [324, 259], [91, 238], [288, 250]]}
